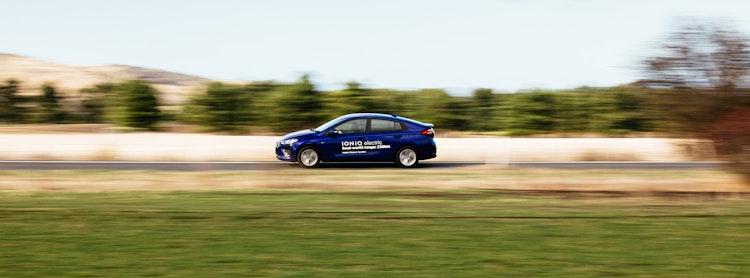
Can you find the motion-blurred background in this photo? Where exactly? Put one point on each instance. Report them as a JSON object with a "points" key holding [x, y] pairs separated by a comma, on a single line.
{"points": [[674, 69]]}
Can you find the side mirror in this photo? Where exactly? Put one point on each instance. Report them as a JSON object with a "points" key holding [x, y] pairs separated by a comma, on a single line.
{"points": [[334, 132]]}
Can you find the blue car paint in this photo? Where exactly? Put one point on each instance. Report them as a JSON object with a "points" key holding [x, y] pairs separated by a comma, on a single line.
{"points": [[360, 146]]}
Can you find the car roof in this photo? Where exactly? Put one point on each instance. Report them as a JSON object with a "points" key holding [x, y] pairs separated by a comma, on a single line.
{"points": [[369, 115], [384, 116]]}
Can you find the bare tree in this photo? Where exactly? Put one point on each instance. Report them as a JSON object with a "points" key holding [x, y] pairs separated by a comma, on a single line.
{"points": [[707, 55]]}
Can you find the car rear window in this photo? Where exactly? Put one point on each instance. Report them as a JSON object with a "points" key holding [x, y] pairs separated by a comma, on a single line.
{"points": [[378, 125]]}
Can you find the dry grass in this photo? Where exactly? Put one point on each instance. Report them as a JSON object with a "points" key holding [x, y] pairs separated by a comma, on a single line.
{"points": [[475, 177], [56, 129]]}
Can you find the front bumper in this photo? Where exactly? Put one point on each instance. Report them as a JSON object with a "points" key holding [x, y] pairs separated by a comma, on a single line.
{"points": [[285, 153]]}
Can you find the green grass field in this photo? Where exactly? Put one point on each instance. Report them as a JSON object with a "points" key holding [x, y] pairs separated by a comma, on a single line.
{"points": [[391, 233]]}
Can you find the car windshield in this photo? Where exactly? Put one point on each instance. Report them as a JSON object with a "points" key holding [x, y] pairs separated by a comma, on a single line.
{"points": [[328, 125]]}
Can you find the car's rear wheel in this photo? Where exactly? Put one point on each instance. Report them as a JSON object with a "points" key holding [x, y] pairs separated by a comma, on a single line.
{"points": [[308, 157], [406, 157]]}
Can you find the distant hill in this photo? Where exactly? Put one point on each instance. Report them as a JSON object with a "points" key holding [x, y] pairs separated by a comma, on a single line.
{"points": [[33, 73]]}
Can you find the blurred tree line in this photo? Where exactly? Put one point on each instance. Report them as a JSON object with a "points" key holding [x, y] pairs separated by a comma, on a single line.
{"points": [[131, 103], [283, 107], [288, 107]]}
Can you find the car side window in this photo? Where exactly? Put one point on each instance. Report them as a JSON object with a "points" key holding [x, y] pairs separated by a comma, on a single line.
{"points": [[378, 125], [353, 126]]}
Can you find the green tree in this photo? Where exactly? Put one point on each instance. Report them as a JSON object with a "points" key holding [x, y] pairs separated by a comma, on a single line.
{"points": [[297, 106], [355, 99], [629, 113], [532, 112], [607, 110], [433, 106], [94, 101], [135, 105], [49, 110], [482, 110], [221, 108], [457, 117], [260, 99], [11, 109], [576, 111], [350, 100]]}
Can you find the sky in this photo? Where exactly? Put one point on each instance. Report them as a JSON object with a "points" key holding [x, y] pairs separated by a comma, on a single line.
{"points": [[460, 45]]}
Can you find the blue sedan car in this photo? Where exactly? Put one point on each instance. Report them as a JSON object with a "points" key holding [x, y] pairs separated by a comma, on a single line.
{"points": [[360, 137]]}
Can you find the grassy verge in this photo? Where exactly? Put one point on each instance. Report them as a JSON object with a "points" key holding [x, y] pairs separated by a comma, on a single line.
{"points": [[473, 177], [393, 233]]}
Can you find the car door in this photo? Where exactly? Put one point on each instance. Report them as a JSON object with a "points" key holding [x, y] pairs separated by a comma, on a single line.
{"points": [[346, 142], [385, 137]]}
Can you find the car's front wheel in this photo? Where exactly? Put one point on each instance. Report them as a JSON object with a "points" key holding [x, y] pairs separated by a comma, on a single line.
{"points": [[308, 157], [406, 157]]}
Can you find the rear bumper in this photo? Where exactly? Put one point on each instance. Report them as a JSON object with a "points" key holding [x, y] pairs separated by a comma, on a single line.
{"points": [[428, 152]]}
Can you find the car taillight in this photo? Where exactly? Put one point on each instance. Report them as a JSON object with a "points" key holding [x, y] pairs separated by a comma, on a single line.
{"points": [[429, 132]]}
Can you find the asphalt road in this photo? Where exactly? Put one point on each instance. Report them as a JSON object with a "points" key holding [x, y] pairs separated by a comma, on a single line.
{"points": [[254, 166]]}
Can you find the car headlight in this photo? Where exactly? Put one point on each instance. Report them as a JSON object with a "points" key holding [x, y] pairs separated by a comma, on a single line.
{"points": [[288, 141]]}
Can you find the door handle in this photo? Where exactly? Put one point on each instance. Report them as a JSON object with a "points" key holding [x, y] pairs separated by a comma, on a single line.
{"points": [[397, 136]]}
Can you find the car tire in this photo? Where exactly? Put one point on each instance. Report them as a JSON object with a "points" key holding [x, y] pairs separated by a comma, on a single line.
{"points": [[308, 157], [407, 157]]}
